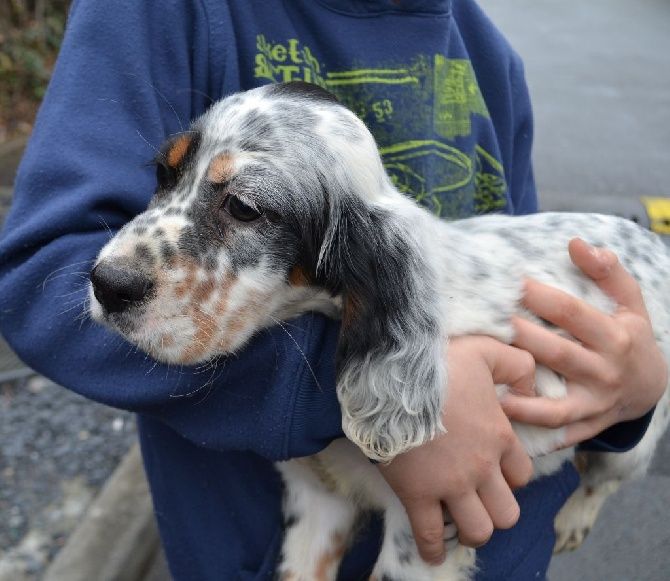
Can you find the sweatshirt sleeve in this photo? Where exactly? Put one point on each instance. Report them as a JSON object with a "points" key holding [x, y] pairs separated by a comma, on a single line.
{"points": [[521, 182], [129, 74]]}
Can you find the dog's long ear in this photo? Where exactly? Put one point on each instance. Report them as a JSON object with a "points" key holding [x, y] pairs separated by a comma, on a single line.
{"points": [[391, 350]]}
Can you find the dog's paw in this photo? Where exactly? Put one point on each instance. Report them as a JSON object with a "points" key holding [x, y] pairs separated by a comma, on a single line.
{"points": [[576, 519], [570, 539], [459, 565]]}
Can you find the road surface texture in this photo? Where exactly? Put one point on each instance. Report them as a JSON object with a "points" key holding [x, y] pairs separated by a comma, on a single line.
{"points": [[599, 76]]}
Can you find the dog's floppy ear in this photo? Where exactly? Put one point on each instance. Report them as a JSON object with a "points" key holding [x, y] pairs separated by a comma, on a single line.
{"points": [[390, 353]]}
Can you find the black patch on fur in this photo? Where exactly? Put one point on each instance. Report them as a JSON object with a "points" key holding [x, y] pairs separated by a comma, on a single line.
{"points": [[405, 546], [290, 520], [210, 262], [523, 245], [144, 254], [257, 132], [145, 220], [375, 268], [554, 221], [193, 243], [189, 212], [480, 270], [168, 177], [290, 231], [302, 89], [168, 252], [297, 119]]}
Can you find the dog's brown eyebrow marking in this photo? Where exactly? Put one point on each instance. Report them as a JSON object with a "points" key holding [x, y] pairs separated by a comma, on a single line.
{"points": [[178, 149], [220, 168]]}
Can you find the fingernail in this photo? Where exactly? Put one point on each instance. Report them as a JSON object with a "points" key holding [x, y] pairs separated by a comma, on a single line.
{"points": [[595, 252], [604, 260]]}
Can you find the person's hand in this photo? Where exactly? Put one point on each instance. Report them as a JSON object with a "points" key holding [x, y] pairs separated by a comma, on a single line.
{"points": [[472, 468], [615, 372]]}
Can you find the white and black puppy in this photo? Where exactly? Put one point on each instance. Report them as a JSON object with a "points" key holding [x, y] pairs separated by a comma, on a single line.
{"points": [[276, 202]]}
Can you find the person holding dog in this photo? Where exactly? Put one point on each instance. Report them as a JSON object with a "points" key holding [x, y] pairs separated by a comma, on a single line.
{"points": [[445, 96]]}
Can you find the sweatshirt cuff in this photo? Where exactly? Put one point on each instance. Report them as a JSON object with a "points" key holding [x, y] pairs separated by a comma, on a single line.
{"points": [[619, 437]]}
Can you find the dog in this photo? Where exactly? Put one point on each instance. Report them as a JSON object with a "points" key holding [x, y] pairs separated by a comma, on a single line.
{"points": [[275, 203]]}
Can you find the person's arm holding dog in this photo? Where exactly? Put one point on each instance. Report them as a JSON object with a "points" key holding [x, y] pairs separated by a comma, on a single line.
{"points": [[622, 372], [617, 379]]}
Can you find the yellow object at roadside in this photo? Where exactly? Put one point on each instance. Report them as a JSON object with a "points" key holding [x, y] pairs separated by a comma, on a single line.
{"points": [[658, 210]]}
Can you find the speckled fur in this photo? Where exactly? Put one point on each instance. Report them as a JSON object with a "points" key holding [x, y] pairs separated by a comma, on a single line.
{"points": [[333, 232]]}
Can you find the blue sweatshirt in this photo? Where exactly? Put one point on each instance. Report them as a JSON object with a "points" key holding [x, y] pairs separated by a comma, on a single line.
{"points": [[446, 99]]}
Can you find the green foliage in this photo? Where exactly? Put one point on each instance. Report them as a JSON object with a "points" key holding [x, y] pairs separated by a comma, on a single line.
{"points": [[30, 35]]}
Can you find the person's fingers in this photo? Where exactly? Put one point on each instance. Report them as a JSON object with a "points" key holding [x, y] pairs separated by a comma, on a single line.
{"points": [[585, 430], [499, 502], [472, 520], [604, 268], [516, 465], [583, 321], [558, 353], [511, 366], [553, 413], [427, 520]]}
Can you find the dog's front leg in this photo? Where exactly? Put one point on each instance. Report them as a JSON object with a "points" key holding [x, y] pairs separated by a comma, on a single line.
{"points": [[318, 525]]}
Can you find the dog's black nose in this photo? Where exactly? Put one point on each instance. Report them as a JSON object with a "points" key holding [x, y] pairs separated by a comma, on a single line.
{"points": [[119, 287]]}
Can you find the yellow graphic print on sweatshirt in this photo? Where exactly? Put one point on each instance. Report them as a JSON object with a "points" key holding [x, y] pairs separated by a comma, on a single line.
{"points": [[422, 115]]}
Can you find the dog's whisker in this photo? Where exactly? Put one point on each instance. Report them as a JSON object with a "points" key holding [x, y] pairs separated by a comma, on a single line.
{"points": [[77, 305], [302, 353], [152, 367], [165, 100], [197, 92], [82, 275], [151, 145], [82, 289], [49, 276], [109, 230]]}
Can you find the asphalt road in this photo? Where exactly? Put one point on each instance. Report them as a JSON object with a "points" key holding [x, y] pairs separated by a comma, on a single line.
{"points": [[599, 76]]}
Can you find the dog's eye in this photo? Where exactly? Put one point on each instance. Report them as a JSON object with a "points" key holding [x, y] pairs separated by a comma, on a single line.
{"points": [[239, 210], [165, 175]]}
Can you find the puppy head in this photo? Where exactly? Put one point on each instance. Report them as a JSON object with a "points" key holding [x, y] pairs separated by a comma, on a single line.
{"points": [[273, 199], [235, 233]]}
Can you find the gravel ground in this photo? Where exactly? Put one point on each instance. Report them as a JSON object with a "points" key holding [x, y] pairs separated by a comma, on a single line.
{"points": [[56, 451]]}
